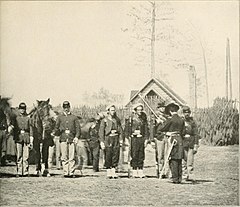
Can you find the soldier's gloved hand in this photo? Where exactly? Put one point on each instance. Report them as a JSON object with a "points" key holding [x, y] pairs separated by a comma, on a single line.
{"points": [[75, 140], [120, 142], [195, 149], [52, 134], [10, 128], [30, 146], [31, 143], [102, 145], [187, 136]]}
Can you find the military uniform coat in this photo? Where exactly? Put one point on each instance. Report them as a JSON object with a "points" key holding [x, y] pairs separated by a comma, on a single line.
{"points": [[175, 124], [137, 123], [67, 127], [24, 129], [190, 129], [107, 125]]}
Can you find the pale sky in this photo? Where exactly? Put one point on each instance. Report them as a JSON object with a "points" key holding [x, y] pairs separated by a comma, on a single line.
{"points": [[62, 49]]}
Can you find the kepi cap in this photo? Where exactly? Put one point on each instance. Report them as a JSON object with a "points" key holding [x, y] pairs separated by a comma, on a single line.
{"points": [[137, 105], [186, 109], [22, 106], [66, 104]]}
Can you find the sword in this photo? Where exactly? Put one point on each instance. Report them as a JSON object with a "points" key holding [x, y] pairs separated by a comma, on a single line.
{"points": [[168, 155]]}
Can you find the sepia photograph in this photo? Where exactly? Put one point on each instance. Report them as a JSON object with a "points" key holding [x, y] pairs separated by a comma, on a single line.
{"points": [[119, 103]]}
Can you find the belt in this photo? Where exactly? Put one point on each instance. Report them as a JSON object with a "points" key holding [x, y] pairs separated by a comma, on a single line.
{"points": [[138, 136], [23, 131], [113, 135]]}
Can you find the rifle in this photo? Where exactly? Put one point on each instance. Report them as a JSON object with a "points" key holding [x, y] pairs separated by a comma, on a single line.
{"points": [[168, 155], [130, 146], [129, 158], [157, 164], [148, 106]]}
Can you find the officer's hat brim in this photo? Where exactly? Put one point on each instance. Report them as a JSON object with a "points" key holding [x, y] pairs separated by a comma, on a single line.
{"points": [[170, 105]]}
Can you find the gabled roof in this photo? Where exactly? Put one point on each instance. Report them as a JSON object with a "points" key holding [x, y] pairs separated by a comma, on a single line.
{"points": [[164, 87], [133, 92]]}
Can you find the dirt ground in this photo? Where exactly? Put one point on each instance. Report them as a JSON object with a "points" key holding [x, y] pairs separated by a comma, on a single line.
{"points": [[216, 172]]}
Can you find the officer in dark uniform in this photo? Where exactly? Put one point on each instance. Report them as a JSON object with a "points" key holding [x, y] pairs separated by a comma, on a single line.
{"points": [[68, 128], [111, 134], [24, 140], [138, 131], [176, 129], [190, 143]]}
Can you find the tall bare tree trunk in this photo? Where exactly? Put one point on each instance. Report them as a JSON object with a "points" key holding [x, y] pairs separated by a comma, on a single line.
{"points": [[206, 74], [153, 41], [227, 70]]}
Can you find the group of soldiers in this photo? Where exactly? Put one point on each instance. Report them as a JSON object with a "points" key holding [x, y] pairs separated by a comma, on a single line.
{"points": [[174, 138]]}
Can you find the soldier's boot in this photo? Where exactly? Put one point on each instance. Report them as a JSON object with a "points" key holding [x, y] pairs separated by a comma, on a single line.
{"points": [[141, 174], [134, 173], [109, 173], [114, 175]]}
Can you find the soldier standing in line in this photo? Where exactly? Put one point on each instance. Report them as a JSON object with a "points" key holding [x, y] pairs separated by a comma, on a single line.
{"points": [[176, 128], [161, 141], [93, 142], [110, 134], [137, 129], [24, 140], [68, 128], [190, 143]]}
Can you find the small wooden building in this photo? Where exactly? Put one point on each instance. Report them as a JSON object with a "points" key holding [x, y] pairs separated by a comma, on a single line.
{"points": [[154, 92]]}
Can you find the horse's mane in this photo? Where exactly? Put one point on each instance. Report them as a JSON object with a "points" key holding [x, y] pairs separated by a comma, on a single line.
{"points": [[4, 103]]}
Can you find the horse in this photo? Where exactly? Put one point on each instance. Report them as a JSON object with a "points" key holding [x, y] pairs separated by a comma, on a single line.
{"points": [[7, 126], [42, 120]]}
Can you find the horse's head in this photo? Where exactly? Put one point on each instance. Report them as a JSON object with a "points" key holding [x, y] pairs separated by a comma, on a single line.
{"points": [[5, 107], [41, 115], [44, 109]]}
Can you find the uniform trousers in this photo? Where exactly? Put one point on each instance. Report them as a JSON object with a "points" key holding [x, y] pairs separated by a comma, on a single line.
{"points": [[137, 152], [162, 147], [81, 154], [22, 158], [55, 148], [188, 162], [68, 157], [95, 151], [176, 170], [112, 149]]}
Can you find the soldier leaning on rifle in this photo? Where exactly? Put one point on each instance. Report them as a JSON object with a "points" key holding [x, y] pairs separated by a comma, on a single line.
{"points": [[23, 140], [68, 128], [190, 143], [161, 140], [110, 134], [137, 129], [175, 127]]}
